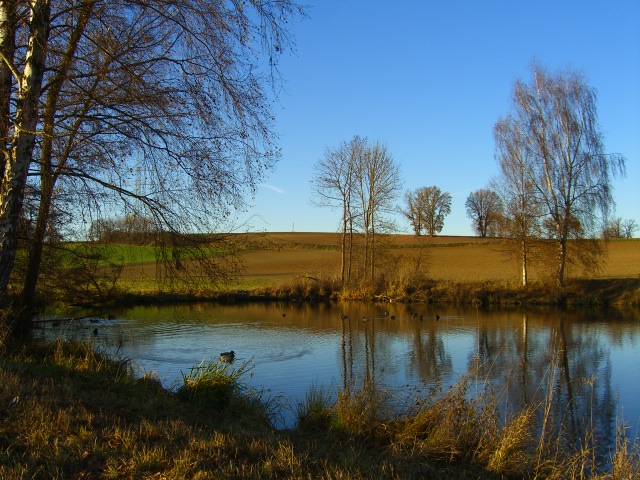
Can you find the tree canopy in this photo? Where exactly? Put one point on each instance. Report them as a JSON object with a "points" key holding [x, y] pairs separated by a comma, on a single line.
{"points": [[484, 208]]}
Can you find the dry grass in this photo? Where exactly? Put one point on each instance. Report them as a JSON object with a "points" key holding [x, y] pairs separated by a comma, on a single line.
{"points": [[459, 428], [68, 412]]}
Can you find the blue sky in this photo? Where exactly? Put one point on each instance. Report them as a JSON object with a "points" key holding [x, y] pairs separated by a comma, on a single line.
{"points": [[430, 79]]}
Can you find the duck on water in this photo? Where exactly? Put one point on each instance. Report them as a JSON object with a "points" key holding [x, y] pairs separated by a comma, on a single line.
{"points": [[227, 356]]}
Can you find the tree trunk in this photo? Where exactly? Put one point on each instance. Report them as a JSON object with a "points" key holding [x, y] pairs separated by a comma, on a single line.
{"points": [[20, 154], [25, 311], [373, 250], [350, 263], [343, 259], [562, 258], [563, 234], [524, 262], [48, 176], [7, 48]]}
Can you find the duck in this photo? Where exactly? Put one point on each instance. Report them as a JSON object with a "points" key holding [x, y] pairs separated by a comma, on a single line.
{"points": [[228, 356]]}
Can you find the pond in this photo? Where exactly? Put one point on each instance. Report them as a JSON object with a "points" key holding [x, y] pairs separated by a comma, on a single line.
{"points": [[590, 358]]}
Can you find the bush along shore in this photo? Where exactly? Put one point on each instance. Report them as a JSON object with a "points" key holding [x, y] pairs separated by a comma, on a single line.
{"points": [[69, 412]]}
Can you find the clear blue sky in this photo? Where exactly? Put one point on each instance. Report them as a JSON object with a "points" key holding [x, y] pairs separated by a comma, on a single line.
{"points": [[430, 79]]}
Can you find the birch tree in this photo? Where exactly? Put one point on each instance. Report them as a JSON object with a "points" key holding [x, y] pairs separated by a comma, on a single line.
{"points": [[521, 219], [20, 125], [105, 90], [334, 186], [554, 122]]}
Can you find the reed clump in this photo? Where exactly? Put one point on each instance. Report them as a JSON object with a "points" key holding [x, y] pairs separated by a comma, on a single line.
{"points": [[459, 427], [451, 426], [218, 387]]}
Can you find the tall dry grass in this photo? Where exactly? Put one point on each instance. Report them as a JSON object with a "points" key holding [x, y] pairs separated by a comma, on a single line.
{"points": [[461, 425]]}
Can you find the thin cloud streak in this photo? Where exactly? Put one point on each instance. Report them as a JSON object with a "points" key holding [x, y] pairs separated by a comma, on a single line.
{"points": [[273, 188]]}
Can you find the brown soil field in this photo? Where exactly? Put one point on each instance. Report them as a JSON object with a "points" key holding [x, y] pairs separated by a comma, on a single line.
{"points": [[278, 257]]}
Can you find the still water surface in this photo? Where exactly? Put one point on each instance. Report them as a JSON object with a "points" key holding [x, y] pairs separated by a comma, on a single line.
{"points": [[405, 348]]}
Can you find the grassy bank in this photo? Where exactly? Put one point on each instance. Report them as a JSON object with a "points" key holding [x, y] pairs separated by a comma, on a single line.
{"points": [[67, 412]]}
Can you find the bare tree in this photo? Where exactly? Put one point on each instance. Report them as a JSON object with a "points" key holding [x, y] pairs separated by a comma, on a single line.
{"points": [[484, 208], [522, 212], [412, 212], [21, 122], [172, 89], [619, 228], [363, 181], [629, 227], [378, 185], [554, 121], [613, 228], [426, 209], [334, 185]]}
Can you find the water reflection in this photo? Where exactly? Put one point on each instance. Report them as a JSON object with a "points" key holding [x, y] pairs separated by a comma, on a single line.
{"points": [[584, 363]]}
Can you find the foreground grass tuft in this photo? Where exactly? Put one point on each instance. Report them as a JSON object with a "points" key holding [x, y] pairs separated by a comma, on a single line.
{"points": [[218, 388]]}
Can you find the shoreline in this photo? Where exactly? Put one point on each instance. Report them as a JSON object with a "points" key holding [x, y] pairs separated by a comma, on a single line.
{"points": [[615, 292]]}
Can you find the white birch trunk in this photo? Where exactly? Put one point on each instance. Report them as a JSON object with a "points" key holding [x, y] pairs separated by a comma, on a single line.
{"points": [[19, 154]]}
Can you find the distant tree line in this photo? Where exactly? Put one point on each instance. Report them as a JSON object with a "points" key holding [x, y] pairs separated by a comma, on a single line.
{"points": [[129, 229]]}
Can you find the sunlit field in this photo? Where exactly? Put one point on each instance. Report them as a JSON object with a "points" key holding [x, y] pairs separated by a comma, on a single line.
{"points": [[268, 259], [440, 258]]}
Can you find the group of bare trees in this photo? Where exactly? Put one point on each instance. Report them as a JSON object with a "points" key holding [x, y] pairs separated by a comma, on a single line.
{"points": [[554, 182], [94, 92], [620, 228], [362, 180], [555, 177]]}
